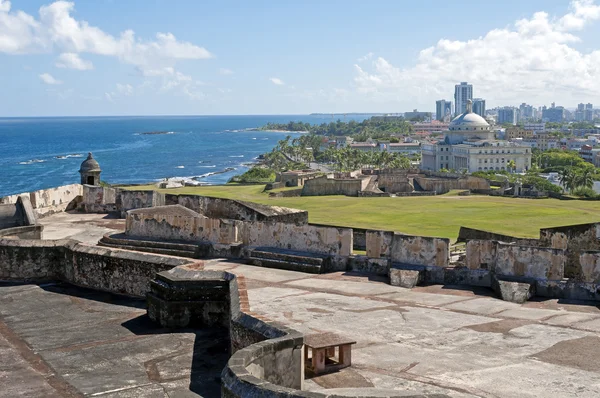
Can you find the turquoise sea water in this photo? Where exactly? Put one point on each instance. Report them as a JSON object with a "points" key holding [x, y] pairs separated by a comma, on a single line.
{"points": [[37, 153]]}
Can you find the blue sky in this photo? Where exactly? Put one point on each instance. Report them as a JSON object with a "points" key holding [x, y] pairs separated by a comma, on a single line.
{"points": [[285, 57]]}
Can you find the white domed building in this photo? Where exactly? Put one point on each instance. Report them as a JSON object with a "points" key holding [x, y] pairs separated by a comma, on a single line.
{"points": [[470, 144]]}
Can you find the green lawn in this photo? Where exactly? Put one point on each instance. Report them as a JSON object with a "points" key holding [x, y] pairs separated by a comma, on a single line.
{"points": [[429, 216]]}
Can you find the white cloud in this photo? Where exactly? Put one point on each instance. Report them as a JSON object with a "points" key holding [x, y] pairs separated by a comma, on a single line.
{"points": [[124, 89], [225, 71], [277, 81], [56, 29], [49, 79], [73, 61], [365, 57], [530, 61]]}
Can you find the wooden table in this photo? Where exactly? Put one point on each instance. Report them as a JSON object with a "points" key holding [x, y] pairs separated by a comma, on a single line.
{"points": [[323, 347]]}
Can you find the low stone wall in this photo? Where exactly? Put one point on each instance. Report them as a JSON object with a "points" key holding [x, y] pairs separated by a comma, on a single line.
{"points": [[465, 234], [237, 210], [329, 186], [99, 199], [420, 250], [590, 266], [445, 184], [379, 243], [24, 232], [49, 201], [113, 270], [394, 183], [333, 241], [131, 200], [536, 263], [177, 223], [575, 239]]}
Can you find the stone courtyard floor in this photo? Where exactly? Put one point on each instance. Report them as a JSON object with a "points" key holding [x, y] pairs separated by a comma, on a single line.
{"points": [[435, 339], [61, 341]]}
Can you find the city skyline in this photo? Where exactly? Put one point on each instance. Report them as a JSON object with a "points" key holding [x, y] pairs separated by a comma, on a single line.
{"points": [[140, 58]]}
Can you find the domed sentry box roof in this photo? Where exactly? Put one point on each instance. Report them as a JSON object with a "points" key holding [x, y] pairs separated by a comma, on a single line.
{"points": [[89, 165]]}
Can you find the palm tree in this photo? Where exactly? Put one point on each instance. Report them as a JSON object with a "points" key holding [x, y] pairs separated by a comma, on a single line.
{"points": [[584, 179], [566, 177]]}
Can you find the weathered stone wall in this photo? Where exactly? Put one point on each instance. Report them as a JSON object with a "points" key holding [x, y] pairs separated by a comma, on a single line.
{"points": [[334, 241], [177, 223], [24, 232], [130, 200], [328, 186], [393, 183], [590, 266], [49, 201], [420, 250], [117, 271], [11, 216], [538, 263], [379, 243], [237, 210], [465, 234], [481, 254], [443, 185], [575, 239]]}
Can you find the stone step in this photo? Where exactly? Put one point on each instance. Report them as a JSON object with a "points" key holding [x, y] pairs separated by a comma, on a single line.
{"points": [[290, 256], [285, 264], [122, 239], [155, 250]]}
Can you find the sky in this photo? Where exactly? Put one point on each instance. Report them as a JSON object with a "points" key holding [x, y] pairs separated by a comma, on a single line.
{"points": [[185, 57]]}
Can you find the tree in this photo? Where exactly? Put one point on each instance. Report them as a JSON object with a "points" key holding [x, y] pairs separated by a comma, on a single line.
{"points": [[584, 179], [566, 177], [511, 165]]}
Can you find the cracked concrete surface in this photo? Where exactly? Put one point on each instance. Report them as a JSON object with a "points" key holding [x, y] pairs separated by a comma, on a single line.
{"points": [[61, 341], [435, 339]]}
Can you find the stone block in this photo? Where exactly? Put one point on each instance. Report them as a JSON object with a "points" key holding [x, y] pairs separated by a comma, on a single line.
{"points": [[513, 291], [405, 278]]}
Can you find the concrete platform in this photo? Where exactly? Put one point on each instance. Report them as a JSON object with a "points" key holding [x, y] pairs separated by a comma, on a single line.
{"points": [[435, 340], [61, 341], [86, 228]]}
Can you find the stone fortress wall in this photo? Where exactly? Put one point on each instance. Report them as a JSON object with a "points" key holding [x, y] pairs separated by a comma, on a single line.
{"points": [[267, 358]]}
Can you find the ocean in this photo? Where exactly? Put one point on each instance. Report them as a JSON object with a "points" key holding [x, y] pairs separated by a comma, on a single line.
{"points": [[38, 153]]}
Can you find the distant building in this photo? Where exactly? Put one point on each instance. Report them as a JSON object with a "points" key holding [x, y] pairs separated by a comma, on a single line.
{"points": [[508, 114], [365, 146], [406, 148], [535, 126], [443, 109], [479, 106], [526, 112], [470, 145], [516, 132], [433, 127], [463, 92], [415, 114], [555, 114]]}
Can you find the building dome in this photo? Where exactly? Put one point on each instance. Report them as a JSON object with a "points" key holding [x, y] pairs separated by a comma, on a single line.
{"points": [[89, 165], [469, 121]]}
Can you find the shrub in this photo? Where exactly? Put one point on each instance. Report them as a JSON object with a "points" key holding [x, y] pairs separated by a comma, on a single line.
{"points": [[585, 192], [255, 174]]}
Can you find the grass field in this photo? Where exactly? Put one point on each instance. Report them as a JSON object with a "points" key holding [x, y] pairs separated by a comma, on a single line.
{"points": [[430, 216]]}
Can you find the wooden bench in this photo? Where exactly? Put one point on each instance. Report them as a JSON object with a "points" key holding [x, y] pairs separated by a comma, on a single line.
{"points": [[323, 358]]}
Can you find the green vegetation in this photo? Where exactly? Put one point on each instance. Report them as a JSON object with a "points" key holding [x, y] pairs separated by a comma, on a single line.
{"points": [[254, 175], [361, 131], [432, 216]]}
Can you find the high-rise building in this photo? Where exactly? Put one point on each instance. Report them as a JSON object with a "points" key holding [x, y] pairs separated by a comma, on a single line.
{"points": [[588, 113], [526, 112], [462, 93], [443, 109], [479, 106], [508, 114], [555, 114]]}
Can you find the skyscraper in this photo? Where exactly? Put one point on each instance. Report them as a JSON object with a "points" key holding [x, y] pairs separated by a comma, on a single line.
{"points": [[508, 114], [479, 107], [462, 93], [443, 108]]}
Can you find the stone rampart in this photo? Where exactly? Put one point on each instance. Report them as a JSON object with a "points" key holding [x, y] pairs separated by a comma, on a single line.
{"points": [[575, 239], [323, 186], [177, 223], [420, 250], [334, 241], [443, 185], [131, 200], [590, 266], [49, 201], [537, 263], [465, 234], [99, 199], [379, 243], [394, 183], [113, 270]]}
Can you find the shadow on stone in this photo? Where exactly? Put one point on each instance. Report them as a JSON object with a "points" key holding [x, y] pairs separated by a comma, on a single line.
{"points": [[209, 356]]}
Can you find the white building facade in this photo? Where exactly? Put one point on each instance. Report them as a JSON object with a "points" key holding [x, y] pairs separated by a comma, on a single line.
{"points": [[470, 145]]}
